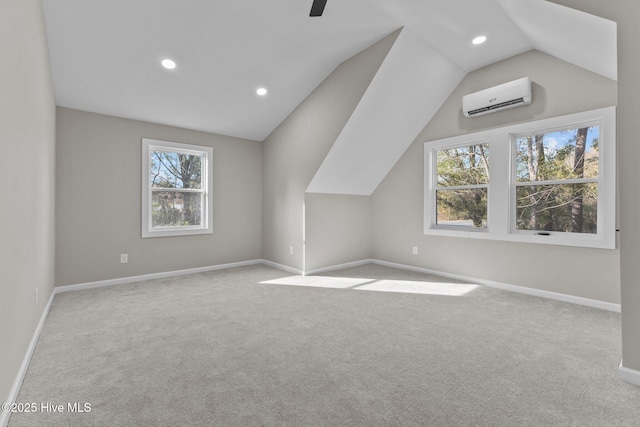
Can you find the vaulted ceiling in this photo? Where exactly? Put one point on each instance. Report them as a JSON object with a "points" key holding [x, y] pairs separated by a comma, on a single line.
{"points": [[106, 54]]}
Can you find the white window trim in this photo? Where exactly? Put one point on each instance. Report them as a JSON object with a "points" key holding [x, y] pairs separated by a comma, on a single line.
{"points": [[206, 227], [501, 193]]}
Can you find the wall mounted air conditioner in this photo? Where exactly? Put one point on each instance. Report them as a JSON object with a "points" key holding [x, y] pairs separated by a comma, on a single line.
{"points": [[508, 95]]}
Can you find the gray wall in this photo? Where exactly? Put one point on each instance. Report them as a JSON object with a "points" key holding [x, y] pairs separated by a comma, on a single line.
{"points": [[627, 14], [27, 137], [296, 148], [98, 200], [338, 229], [397, 210]]}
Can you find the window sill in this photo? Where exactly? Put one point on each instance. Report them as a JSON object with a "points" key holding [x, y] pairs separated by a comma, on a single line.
{"points": [[558, 239], [175, 232]]}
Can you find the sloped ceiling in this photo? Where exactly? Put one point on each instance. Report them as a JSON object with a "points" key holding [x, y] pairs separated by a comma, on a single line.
{"points": [[584, 40], [415, 79], [105, 58], [105, 54]]}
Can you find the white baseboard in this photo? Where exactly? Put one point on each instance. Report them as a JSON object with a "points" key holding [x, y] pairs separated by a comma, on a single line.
{"points": [[628, 375], [338, 266], [17, 384], [165, 274], [131, 279], [493, 284], [507, 287], [603, 305], [282, 267]]}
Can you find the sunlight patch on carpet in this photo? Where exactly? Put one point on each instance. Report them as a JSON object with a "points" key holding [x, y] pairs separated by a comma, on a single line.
{"points": [[319, 281], [415, 287], [404, 286]]}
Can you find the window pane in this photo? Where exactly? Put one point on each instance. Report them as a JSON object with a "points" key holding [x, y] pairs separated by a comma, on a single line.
{"points": [[551, 156], [462, 207], [176, 209], [463, 166], [175, 170], [564, 207]]}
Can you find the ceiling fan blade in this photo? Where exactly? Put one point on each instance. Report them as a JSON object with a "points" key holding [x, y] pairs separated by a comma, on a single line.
{"points": [[317, 7]]}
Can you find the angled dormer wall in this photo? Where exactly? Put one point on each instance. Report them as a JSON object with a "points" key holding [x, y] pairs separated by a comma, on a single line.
{"points": [[340, 143], [295, 149], [410, 86]]}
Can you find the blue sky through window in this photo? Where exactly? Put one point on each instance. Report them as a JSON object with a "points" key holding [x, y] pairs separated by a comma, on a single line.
{"points": [[559, 155], [166, 170]]}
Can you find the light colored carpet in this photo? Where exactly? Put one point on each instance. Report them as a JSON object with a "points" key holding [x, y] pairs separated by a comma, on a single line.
{"points": [[225, 349]]}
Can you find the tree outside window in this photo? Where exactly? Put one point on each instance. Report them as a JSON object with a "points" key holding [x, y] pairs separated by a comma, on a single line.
{"points": [[176, 185], [557, 180], [175, 189], [550, 181], [462, 186]]}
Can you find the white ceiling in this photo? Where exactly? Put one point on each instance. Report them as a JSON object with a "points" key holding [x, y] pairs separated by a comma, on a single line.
{"points": [[105, 54]]}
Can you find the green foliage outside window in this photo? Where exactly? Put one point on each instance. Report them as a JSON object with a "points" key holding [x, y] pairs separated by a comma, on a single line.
{"points": [[175, 180], [462, 181], [556, 174]]}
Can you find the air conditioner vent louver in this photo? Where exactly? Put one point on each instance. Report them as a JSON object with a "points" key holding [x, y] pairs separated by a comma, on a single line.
{"points": [[508, 95], [495, 107]]}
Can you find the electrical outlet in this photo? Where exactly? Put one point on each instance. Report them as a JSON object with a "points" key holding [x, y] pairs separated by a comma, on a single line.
{"points": [[124, 258], [290, 250], [415, 250]]}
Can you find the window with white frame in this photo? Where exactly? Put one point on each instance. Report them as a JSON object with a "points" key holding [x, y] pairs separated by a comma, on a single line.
{"points": [[462, 183], [552, 182], [556, 175], [176, 185]]}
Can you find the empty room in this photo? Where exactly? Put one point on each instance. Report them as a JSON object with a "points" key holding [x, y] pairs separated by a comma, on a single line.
{"points": [[319, 213]]}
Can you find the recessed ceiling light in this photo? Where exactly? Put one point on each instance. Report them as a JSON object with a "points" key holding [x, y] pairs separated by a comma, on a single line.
{"points": [[479, 40], [169, 64], [261, 91]]}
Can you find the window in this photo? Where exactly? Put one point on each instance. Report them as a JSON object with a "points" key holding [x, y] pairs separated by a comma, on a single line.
{"points": [[550, 181], [176, 182], [556, 180], [462, 178]]}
